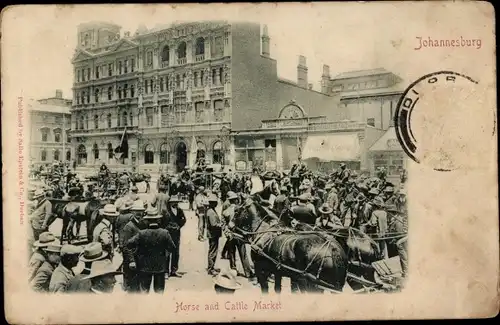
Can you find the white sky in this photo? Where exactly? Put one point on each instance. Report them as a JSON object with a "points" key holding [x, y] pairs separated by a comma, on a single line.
{"points": [[347, 37]]}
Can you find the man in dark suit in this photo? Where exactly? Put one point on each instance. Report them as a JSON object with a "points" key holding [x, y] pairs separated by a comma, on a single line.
{"points": [[214, 232], [152, 246], [173, 221]]}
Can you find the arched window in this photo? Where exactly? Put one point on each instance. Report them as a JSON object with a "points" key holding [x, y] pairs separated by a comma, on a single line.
{"points": [[149, 58], [68, 155], [200, 46], [165, 54], [82, 122], [57, 136], [110, 93], [96, 95], [201, 150], [86, 122], [56, 154], [178, 81], [109, 120], [43, 155], [96, 121], [131, 117], [95, 149], [181, 50], [110, 151], [217, 153], [164, 153], [119, 67], [82, 154], [45, 134], [124, 119], [125, 90], [162, 84], [149, 156]]}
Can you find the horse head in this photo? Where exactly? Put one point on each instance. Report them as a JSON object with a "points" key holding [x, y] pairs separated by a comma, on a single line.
{"points": [[251, 216]]}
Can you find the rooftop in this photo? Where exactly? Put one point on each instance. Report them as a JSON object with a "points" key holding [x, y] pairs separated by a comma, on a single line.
{"points": [[35, 105], [361, 73], [387, 142], [396, 89]]}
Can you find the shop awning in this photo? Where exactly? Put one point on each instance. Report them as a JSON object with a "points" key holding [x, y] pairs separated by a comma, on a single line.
{"points": [[332, 147]]}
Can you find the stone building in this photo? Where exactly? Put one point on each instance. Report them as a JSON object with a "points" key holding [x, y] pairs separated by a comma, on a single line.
{"points": [[49, 130], [170, 94]]}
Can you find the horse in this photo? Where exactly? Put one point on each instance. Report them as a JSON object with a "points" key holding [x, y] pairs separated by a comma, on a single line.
{"points": [[135, 178], [71, 213], [308, 259]]}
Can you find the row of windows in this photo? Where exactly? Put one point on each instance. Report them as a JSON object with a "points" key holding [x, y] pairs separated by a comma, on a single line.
{"points": [[121, 92], [57, 155], [57, 135], [217, 153], [106, 70], [125, 119]]}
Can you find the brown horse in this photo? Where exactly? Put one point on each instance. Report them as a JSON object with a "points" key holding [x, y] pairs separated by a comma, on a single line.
{"points": [[308, 259]]}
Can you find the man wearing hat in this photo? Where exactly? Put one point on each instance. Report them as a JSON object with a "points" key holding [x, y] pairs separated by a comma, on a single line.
{"points": [[377, 223], [62, 275], [102, 277], [304, 210], [132, 228], [295, 179], [160, 200], [327, 220], [281, 202], [306, 186], [41, 280], [41, 214], [152, 246], [134, 193], [226, 282], [102, 232], [173, 221], [92, 252], [125, 216], [201, 203], [39, 255], [214, 232]]}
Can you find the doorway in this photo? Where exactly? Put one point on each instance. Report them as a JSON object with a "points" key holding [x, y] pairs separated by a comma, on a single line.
{"points": [[181, 156]]}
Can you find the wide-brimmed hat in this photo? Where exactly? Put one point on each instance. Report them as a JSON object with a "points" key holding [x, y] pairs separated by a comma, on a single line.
{"points": [[231, 195], [374, 191], [138, 205], [227, 280], [109, 210], [326, 209], [201, 188], [53, 248], [38, 192], [93, 252], [152, 213], [45, 239], [70, 250], [378, 202], [284, 189], [389, 189], [100, 268], [174, 199], [303, 197], [213, 198], [126, 205]]}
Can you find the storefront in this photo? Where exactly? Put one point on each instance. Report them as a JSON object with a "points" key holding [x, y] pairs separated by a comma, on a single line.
{"points": [[387, 152], [255, 152]]}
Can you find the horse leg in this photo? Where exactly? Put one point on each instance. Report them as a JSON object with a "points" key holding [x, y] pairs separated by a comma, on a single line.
{"points": [[262, 277], [78, 225], [63, 229], [294, 286], [277, 282]]}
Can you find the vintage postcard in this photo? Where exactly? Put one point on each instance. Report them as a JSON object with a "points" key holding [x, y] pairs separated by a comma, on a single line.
{"points": [[249, 162]]}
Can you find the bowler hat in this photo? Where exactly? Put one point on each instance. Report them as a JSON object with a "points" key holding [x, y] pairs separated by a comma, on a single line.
{"points": [[109, 210], [100, 268], [93, 252], [45, 239]]}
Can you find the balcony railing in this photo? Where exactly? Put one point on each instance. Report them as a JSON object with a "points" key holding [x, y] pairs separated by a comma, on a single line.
{"points": [[164, 64], [181, 61], [199, 58]]}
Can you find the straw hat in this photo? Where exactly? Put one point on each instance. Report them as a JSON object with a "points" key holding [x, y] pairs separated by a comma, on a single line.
{"points": [[303, 197], [39, 192], [213, 198], [126, 205], [227, 280], [53, 248], [174, 199], [325, 209], [231, 195], [373, 191], [45, 239], [93, 252], [100, 268], [138, 205], [109, 210], [152, 214], [70, 250]]}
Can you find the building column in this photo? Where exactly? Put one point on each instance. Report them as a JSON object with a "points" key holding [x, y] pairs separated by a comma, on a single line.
{"points": [[279, 153], [189, 51], [232, 154], [207, 47]]}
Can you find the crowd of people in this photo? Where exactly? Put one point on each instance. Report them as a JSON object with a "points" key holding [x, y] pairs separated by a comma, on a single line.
{"points": [[147, 234]]}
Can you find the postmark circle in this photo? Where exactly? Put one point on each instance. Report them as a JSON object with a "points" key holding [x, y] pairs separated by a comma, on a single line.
{"points": [[439, 120]]}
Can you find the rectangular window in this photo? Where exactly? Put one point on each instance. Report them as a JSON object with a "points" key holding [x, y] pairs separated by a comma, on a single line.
{"points": [[125, 66], [370, 121], [97, 72], [219, 110], [78, 75], [195, 79], [132, 65], [149, 116], [83, 75], [88, 73], [119, 67], [162, 84], [214, 77], [132, 91], [145, 86], [110, 69], [199, 107]]}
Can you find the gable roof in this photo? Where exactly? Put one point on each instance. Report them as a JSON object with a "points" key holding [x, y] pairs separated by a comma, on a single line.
{"points": [[387, 142], [81, 54], [122, 44]]}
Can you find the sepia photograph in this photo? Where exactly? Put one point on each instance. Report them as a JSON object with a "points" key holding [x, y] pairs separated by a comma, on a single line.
{"points": [[234, 156]]}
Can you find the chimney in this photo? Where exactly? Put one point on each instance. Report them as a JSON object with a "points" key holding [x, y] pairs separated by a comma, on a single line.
{"points": [[302, 72], [325, 78], [265, 42], [59, 93]]}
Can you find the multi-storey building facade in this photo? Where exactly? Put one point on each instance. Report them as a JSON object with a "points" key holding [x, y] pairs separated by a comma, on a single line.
{"points": [[203, 89], [49, 130]]}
